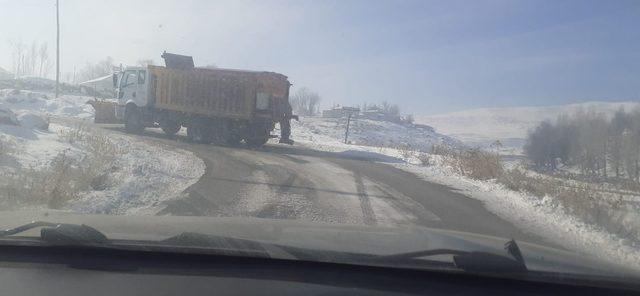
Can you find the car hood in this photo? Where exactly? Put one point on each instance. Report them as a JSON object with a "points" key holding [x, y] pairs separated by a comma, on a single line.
{"points": [[322, 236]]}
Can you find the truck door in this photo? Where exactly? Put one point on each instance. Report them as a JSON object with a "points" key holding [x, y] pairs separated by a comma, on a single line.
{"points": [[133, 87], [128, 87], [141, 96]]}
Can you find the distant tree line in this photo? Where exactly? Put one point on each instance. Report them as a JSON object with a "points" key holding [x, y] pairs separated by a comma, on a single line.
{"points": [[100, 68], [392, 110], [385, 107], [30, 60], [90, 71], [591, 142]]}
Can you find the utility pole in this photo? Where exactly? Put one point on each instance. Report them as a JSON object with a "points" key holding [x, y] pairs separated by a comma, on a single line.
{"points": [[57, 48], [346, 134]]}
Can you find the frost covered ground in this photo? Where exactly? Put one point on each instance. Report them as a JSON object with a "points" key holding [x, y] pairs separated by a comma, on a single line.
{"points": [[138, 179], [541, 216]]}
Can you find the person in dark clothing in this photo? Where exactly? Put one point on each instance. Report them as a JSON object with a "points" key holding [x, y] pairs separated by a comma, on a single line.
{"points": [[285, 125]]}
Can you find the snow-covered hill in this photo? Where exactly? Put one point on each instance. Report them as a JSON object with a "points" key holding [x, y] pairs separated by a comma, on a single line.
{"points": [[4, 74], [480, 127], [369, 133]]}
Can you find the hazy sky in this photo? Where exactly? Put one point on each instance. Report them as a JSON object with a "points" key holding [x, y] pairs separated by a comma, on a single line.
{"points": [[427, 56]]}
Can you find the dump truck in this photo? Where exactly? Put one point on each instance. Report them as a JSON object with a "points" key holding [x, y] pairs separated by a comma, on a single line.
{"points": [[224, 106]]}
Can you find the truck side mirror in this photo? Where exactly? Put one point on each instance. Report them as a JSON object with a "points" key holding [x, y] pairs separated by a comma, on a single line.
{"points": [[115, 80]]}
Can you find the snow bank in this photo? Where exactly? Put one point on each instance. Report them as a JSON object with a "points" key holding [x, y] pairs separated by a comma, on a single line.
{"points": [[66, 105], [34, 148], [540, 216], [34, 120], [8, 117], [145, 174], [148, 174]]}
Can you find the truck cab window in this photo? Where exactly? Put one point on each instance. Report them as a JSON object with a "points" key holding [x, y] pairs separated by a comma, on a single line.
{"points": [[142, 74], [130, 78]]}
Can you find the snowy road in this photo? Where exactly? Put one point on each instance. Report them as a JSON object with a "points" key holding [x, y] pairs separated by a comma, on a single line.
{"points": [[293, 182]]}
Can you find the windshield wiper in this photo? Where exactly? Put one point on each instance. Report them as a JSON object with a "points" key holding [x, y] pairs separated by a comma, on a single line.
{"points": [[223, 245], [464, 260], [74, 234], [61, 233], [472, 261]]}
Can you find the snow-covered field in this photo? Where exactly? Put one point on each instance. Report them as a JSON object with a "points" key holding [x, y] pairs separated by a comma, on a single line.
{"points": [[481, 127], [540, 216], [140, 177]]}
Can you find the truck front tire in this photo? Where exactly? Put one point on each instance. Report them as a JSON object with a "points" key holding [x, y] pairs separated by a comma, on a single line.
{"points": [[170, 127], [133, 122]]}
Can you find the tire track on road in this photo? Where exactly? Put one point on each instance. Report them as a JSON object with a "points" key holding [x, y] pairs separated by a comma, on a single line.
{"points": [[368, 216]]}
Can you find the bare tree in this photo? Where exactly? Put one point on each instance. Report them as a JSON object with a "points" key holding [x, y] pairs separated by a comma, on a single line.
{"points": [[32, 58], [385, 107], [145, 62], [631, 147], [17, 55], [619, 123], [409, 119], [43, 60], [91, 71], [393, 110], [539, 147], [305, 101], [592, 142], [314, 100]]}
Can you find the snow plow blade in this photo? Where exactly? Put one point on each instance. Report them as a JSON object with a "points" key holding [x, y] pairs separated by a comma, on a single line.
{"points": [[105, 111]]}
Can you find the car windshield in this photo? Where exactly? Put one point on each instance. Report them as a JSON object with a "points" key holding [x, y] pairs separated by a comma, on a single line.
{"points": [[465, 135]]}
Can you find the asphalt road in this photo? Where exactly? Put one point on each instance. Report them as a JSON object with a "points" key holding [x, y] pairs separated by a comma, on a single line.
{"points": [[294, 182]]}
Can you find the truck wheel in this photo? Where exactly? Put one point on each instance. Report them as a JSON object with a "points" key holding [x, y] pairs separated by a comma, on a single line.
{"points": [[170, 127], [256, 142], [133, 123], [232, 139], [198, 134]]}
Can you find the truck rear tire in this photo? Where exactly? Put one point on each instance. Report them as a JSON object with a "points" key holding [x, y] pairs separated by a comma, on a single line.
{"points": [[198, 134], [170, 127], [258, 135], [256, 142], [133, 123], [232, 139]]}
